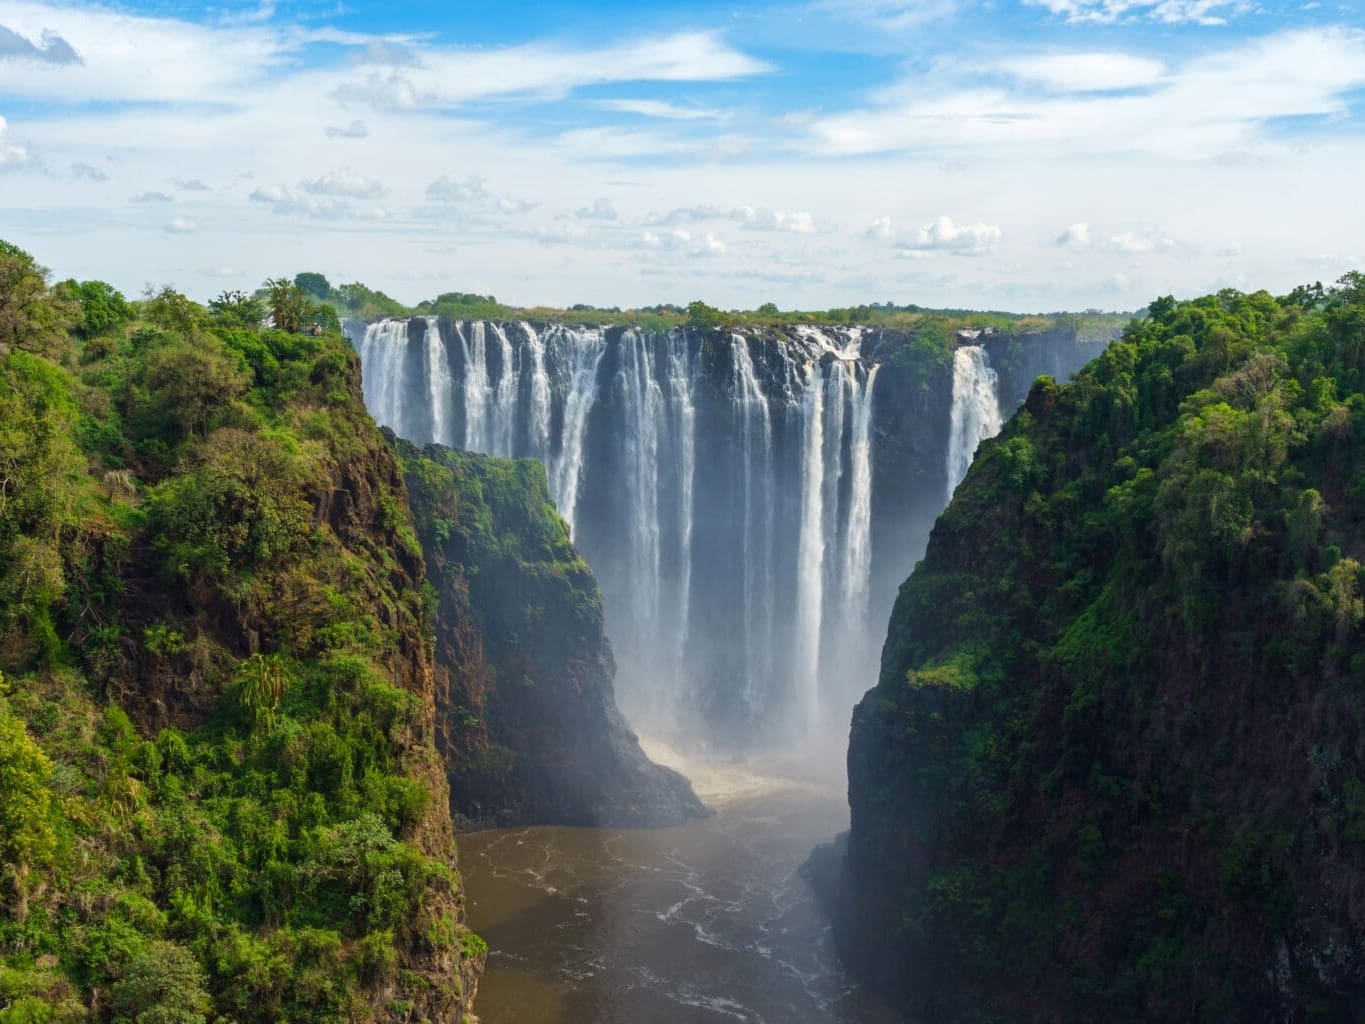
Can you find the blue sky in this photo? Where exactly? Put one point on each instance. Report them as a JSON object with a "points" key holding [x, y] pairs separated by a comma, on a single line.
{"points": [[1031, 155]]}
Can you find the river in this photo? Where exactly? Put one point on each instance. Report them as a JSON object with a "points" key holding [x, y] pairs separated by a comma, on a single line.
{"points": [[705, 922]]}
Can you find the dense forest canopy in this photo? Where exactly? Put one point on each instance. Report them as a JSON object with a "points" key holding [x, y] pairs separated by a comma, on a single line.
{"points": [[1116, 757], [219, 798]]}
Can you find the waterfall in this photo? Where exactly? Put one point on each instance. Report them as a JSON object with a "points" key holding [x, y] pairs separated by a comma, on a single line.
{"points": [[976, 410], [476, 386], [505, 397], [540, 392], [684, 427], [582, 353], [642, 400], [438, 383], [756, 482], [725, 489], [858, 549], [811, 551], [383, 348]]}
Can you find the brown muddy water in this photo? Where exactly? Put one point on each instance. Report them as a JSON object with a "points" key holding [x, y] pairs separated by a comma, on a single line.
{"points": [[706, 922]]}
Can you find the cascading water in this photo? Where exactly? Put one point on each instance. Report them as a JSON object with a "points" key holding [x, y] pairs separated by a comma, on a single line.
{"points": [[976, 410], [723, 488]]}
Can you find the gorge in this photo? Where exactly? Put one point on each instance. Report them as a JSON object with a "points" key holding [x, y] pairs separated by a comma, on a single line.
{"points": [[749, 500]]}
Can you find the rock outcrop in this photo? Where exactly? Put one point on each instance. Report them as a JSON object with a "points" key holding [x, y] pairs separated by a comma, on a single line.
{"points": [[528, 723]]}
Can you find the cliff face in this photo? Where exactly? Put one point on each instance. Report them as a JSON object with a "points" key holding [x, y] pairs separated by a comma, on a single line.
{"points": [[528, 722], [221, 788], [1113, 767]]}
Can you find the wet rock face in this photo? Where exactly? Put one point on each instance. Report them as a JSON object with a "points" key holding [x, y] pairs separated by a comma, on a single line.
{"points": [[528, 722]]}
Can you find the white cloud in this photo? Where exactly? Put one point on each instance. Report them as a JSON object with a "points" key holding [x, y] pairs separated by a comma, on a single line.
{"points": [[385, 92], [192, 185], [687, 215], [450, 77], [286, 203], [1199, 12], [1077, 236], [764, 219], [1211, 105], [344, 183], [87, 172], [880, 229], [152, 197], [1125, 243], [601, 209], [355, 130], [473, 192], [1129, 244], [513, 204], [12, 154], [943, 235], [684, 241], [270, 194], [657, 108], [448, 190], [1087, 72], [181, 226]]}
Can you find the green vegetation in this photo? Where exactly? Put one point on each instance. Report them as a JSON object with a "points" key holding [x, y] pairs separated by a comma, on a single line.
{"points": [[1112, 767], [219, 799], [360, 301]]}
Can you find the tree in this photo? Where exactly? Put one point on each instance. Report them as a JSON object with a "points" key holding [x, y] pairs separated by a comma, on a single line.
{"points": [[237, 309], [173, 311], [163, 984], [315, 285], [103, 307], [289, 305], [33, 317], [193, 380], [705, 317], [26, 835]]}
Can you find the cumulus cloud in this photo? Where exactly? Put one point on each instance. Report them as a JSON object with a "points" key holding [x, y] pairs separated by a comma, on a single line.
{"points": [[446, 189], [1171, 12], [87, 172], [152, 197], [191, 185], [601, 209], [682, 240], [357, 129], [475, 193], [384, 92], [764, 219], [1126, 243], [285, 202], [1077, 236], [687, 215], [181, 226], [345, 184], [54, 49], [880, 229], [12, 155], [943, 235]]}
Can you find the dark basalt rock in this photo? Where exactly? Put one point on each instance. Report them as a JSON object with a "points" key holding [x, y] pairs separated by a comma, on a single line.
{"points": [[528, 722]]}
